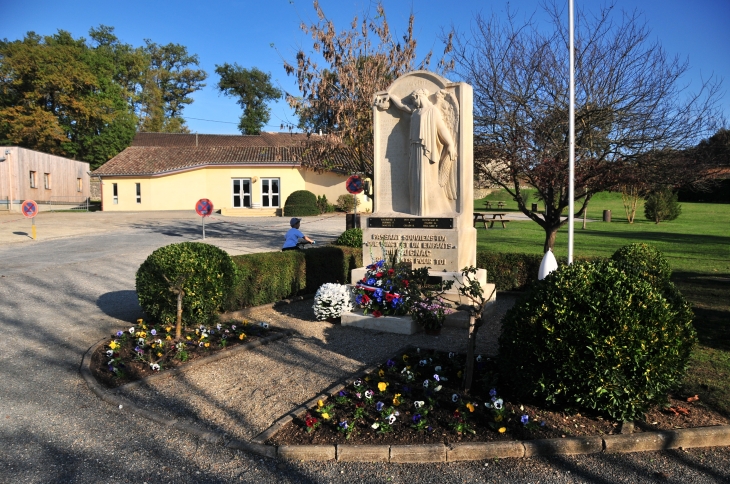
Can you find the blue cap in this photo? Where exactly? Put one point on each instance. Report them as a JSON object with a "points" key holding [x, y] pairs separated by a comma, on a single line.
{"points": [[294, 221]]}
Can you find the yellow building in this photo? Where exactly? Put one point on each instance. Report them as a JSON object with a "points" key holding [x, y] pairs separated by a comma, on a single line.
{"points": [[244, 175]]}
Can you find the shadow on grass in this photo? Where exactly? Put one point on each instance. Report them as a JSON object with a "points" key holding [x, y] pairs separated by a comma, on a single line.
{"points": [[664, 237], [710, 298]]}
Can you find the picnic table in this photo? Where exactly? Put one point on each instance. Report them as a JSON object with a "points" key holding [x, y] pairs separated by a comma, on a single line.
{"points": [[488, 203], [484, 218]]}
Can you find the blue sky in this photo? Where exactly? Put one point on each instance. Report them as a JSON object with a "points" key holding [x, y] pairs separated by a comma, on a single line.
{"points": [[243, 31]]}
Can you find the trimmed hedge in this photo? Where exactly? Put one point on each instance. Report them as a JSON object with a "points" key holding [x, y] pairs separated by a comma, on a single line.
{"points": [[271, 276], [301, 203]]}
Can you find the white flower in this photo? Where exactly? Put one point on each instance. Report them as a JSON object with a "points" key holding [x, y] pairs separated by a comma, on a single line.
{"points": [[409, 376], [425, 383], [423, 362], [487, 404], [437, 369], [331, 300], [391, 419], [158, 341], [131, 330], [233, 327], [451, 355], [436, 377], [155, 367], [109, 352], [438, 388], [368, 394], [443, 378], [498, 404], [140, 341], [376, 425], [479, 358], [264, 325], [218, 326], [110, 362], [203, 335], [455, 397], [418, 403]]}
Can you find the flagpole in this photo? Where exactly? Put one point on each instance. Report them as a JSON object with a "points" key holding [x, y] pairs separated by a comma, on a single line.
{"points": [[571, 152]]}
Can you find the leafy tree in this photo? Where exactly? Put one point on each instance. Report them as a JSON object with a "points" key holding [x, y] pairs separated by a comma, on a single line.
{"points": [[253, 89], [661, 205], [632, 114], [170, 78], [57, 95], [336, 97]]}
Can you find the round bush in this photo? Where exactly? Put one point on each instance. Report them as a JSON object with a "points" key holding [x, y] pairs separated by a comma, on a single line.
{"points": [[205, 273], [593, 336], [350, 238], [301, 203], [645, 261]]}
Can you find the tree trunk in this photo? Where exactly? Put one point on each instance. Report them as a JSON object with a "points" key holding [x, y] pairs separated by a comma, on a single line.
{"points": [[550, 234], [178, 327]]}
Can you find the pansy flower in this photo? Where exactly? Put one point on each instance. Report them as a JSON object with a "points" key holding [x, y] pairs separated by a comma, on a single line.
{"points": [[391, 419], [382, 386], [368, 394], [525, 419], [425, 383], [498, 404], [470, 406], [377, 314], [376, 425], [418, 403], [379, 406], [119, 334], [131, 330], [155, 367], [455, 397], [396, 399]]}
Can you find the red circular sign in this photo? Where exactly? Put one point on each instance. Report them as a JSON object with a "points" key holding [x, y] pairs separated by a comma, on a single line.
{"points": [[204, 207], [354, 185], [29, 209]]}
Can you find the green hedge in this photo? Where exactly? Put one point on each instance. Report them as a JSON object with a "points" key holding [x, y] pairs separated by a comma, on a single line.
{"points": [[271, 276]]}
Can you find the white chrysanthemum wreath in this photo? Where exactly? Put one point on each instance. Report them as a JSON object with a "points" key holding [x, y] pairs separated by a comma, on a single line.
{"points": [[331, 300]]}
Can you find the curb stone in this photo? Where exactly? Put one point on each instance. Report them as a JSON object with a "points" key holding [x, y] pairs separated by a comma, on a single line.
{"points": [[620, 443]]}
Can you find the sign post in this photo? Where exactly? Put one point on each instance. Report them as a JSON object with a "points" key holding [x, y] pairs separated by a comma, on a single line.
{"points": [[204, 208], [30, 210], [354, 185]]}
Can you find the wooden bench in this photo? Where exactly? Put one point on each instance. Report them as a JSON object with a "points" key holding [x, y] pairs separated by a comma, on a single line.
{"points": [[488, 204], [495, 217]]}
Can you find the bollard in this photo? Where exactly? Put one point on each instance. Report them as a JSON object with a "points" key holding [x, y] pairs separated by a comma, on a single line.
{"points": [[606, 215], [352, 221]]}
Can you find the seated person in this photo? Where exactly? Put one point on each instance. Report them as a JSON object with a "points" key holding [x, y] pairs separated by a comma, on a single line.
{"points": [[293, 236]]}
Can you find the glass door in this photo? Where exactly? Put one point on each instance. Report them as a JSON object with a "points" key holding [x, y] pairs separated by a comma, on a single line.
{"points": [[269, 192], [241, 192]]}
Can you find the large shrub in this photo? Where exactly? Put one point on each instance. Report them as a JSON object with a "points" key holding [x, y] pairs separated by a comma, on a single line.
{"points": [[595, 336], [346, 203], [205, 273], [301, 203], [350, 238], [645, 261], [661, 205]]}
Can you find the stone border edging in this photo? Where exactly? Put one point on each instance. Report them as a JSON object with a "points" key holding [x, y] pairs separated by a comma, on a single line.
{"points": [[426, 453]]}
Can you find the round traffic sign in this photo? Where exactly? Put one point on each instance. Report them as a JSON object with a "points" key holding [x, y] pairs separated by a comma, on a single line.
{"points": [[29, 209], [354, 185], [204, 207]]}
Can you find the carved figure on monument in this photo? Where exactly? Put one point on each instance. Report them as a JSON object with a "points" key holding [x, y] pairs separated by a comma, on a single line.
{"points": [[433, 153]]}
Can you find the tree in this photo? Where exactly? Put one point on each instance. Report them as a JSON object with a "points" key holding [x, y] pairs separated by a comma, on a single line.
{"points": [[337, 99], [629, 105], [170, 78], [58, 95], [661, 205], [253, 89]]}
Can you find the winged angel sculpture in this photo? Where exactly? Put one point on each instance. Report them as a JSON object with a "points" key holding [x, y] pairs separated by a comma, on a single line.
{"points": [[433, 135]]}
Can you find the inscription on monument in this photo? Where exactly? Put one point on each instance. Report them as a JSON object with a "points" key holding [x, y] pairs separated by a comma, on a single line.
{"points": [[420, 249], [410, 223]]}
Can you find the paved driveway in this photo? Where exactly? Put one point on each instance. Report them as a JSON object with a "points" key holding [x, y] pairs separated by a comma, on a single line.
{"points": [[62, 293]]}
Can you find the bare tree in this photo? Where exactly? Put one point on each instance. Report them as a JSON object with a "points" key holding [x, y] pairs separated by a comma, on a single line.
{"points": [[337, 95], [629, 102]]}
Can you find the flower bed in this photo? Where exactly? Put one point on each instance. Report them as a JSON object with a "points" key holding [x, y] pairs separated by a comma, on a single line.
{"points": [[145, 349], [383, 291]]}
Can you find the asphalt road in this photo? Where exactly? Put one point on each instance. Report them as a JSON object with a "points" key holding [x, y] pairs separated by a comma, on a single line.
{"points": [[62, 293]]}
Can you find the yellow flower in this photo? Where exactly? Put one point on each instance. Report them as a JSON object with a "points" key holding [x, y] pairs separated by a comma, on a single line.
{"points": [[140, 321], [320, 403], [197, 331], [168, 337], [168, 328], [502, 430], [396, 401], [152, 345], [144, 326], [459, 374], [381, 373], [405, 357], [326, 416], [498, 418], [159, 355], [382, 386], [188, 338], [113, 345], [207, 344], [241, 336], [470, 407], [367, 378]]}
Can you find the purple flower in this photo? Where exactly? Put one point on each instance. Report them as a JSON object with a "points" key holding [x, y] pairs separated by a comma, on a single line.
{"points": [[525, 419], [153, 332], [416, 418], [436, 377], [542, 423], [343, 424], [493, 393], [379, 406], [119, 334], [390, 363], [358, 395], [342, 393], [138, 349]]}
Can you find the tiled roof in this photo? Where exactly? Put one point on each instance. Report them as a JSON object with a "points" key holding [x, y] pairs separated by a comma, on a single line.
{"points": [[218, 140], [157, 160]]}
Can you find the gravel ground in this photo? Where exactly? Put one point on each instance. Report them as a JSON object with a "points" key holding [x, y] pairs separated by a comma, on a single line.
{"points": [[63, 293]]}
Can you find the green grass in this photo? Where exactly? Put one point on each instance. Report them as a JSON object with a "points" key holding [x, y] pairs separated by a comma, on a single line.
{"points": [[697, 246]]}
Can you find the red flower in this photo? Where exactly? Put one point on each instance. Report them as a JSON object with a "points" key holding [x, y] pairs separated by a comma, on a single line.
{"points": [[457, 414], [405, 282], [378, 274], [391, 272], [364, 280], [377, 314], [365, 299], [310, 421], [389, 297]]}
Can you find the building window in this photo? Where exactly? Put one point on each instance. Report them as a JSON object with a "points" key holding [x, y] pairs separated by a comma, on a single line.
{"points": [[33, 180], [79, 185], [241, 192], [47, 181], [270, 192], [139, 192], [115, 193]]}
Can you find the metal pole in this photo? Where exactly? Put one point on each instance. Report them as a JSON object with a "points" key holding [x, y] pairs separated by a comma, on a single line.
{"points": [[203, 227], [571, 154]]}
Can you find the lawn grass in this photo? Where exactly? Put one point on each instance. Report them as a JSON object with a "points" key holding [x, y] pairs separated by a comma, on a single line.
{"points": [[697, 246]]}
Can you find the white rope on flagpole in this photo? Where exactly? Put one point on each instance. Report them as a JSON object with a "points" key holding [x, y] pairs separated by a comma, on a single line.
{"points": [[571, 152]]}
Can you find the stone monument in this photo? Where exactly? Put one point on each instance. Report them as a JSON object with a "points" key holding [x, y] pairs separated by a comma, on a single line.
{"points": [[423, 178]]}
